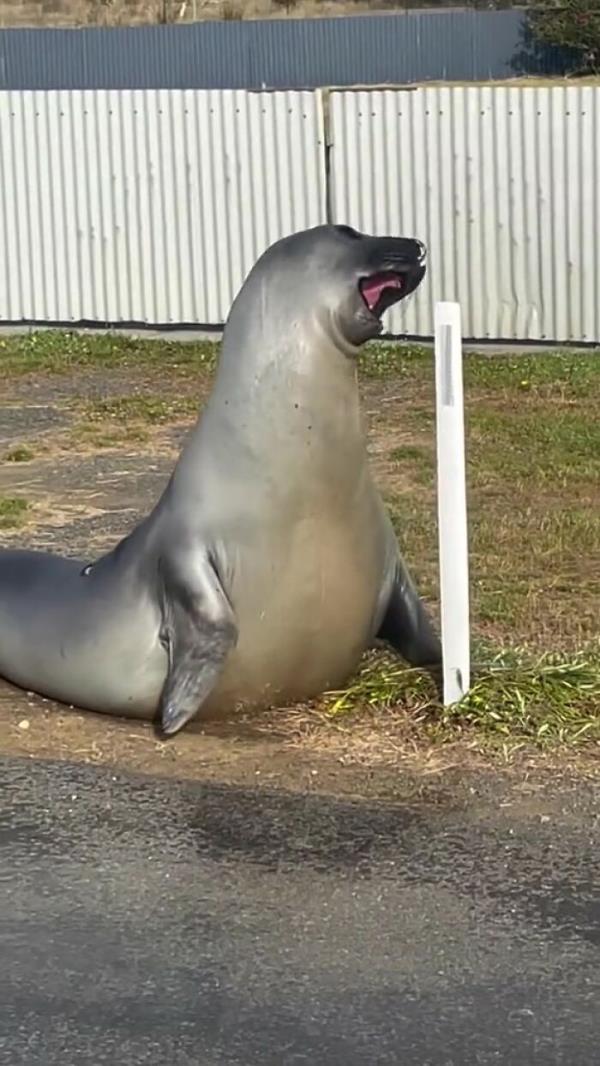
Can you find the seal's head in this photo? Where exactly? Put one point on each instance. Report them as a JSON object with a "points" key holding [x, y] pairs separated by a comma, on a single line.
{"points": [[348, 277], [376, 273]]}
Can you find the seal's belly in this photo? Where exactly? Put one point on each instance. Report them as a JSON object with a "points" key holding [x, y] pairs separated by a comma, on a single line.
{"points": [[305, 607]]}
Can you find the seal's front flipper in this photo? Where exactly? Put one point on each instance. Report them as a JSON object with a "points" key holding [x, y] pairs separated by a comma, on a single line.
{"points": [[199, 630], [406, 624]]}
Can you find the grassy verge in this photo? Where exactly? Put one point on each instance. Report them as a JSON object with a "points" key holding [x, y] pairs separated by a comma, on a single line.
{"points": [[124, 420], [533, 467], [60, 351], [517, 698], [533, 470]]}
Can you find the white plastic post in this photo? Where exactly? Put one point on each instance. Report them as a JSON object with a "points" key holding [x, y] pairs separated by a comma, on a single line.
{"points": [[452, 502]]}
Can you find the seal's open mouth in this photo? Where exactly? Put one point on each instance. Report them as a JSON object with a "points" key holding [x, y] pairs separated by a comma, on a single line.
{"points": [[382, 290]]}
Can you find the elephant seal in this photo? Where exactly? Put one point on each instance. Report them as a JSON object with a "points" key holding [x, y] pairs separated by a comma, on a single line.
{"points": [[269, 564]]}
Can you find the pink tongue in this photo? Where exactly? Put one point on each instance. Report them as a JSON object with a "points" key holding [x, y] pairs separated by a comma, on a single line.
{"points": [[373, 287]]}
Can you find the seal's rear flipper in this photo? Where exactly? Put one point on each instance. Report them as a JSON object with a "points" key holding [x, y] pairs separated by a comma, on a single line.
{"points": [[199, 630], [406, 624]]}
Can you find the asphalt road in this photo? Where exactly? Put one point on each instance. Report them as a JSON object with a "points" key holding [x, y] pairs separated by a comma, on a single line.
{"points": [[173, 924]]}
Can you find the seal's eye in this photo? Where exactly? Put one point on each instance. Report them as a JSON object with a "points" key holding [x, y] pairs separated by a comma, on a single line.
{"points": [[347, 231]]}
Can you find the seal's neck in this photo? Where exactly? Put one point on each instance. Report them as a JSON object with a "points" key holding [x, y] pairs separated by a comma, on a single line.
{"points": [[283, 417], [272, 384]]}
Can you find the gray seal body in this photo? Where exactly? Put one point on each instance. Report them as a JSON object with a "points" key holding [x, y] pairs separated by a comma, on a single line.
{"points": [[269, 564]]}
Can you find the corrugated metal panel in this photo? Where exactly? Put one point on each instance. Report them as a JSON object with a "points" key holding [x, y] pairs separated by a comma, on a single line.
{"points": [[503, 184], [277, 53], [149, 206]]}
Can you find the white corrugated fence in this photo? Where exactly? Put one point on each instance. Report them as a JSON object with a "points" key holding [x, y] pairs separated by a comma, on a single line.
{"points": [[502, 184], [150, 206]]}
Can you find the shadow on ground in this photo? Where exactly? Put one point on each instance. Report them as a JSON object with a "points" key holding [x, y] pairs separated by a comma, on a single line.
{"points": [[153, 921]]}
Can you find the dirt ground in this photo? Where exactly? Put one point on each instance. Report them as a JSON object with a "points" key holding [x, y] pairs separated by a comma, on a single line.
{"points": [[87, 480]]}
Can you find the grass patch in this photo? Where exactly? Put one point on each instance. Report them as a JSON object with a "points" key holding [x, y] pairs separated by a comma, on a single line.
{"points": [[516, 698], [149, 410], [106, 436], [21, 453], [123, 420], [533, 469], [560, 374], [545, 442], [59, 351], [551, 698], [534, 562], [413, 453], [416, 462], [381, 360], [13, 511]]}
